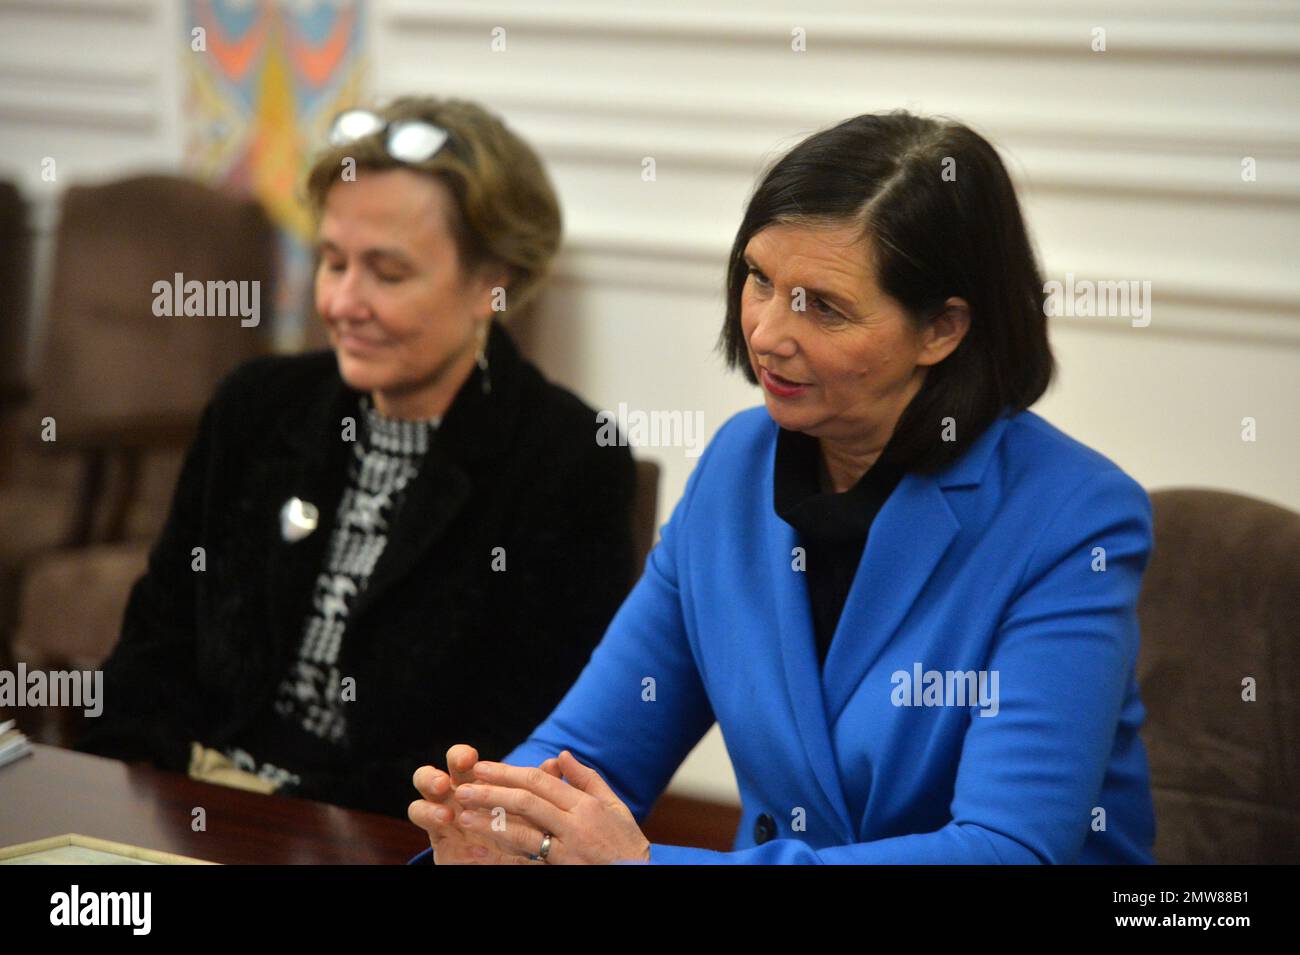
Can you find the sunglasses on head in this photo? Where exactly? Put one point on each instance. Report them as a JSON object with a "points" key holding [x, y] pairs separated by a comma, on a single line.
{"points": [[407, 140]]}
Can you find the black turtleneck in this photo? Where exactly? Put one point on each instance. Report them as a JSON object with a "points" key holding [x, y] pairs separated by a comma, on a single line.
{"points": [[832, 527]]}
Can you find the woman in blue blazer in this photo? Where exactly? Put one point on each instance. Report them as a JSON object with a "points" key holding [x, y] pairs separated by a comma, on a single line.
{"points": [[908, 601]]}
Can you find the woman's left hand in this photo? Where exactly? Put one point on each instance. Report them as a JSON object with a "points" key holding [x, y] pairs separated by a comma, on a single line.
{"points": [[588, 823]]}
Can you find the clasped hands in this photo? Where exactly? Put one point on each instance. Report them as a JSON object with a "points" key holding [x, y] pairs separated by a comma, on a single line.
{"points": [[486, 813]]}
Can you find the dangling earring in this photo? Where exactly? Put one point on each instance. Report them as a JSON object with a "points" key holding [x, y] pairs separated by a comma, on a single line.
{"points": [[482, 361]]}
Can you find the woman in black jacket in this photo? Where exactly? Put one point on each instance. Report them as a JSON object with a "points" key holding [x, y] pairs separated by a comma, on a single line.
{"points": [[370, 548]]}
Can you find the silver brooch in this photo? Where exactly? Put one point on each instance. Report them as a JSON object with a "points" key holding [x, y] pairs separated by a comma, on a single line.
{"points": [[298, 518]]}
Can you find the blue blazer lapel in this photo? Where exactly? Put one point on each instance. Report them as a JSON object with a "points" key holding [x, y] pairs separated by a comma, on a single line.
{"points": [[909, 537], [802, 672]]}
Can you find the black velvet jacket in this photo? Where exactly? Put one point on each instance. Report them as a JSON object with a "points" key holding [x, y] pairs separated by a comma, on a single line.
{"points": [[443, 648]]}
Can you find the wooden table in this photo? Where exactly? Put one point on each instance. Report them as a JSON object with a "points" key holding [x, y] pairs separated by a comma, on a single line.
{"points": [[57, 791]]}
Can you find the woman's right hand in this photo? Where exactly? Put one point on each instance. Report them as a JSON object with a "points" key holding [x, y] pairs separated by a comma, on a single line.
{"points": [[436, 813]]}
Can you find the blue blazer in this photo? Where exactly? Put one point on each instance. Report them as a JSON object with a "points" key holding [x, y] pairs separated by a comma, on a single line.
{"points": [[1021, 561]]}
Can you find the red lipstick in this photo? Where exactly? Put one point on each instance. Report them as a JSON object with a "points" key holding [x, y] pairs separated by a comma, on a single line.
{"points": [[781, 387]]}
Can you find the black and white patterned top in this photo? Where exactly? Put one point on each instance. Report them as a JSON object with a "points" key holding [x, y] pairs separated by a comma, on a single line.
{"points": [[387, 458]]}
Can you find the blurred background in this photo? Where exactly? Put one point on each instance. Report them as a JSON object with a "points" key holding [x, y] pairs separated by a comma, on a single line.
{"points": [[1154, 143]]}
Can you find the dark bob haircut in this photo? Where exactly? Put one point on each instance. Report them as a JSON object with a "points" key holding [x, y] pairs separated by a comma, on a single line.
{"points": [[942, 216]]}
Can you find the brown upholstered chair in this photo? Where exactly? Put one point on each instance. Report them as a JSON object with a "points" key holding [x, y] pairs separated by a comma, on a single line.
{"points": [[15, 267], [71, 614], [1220, 604], [124, 386], [118, 380]]}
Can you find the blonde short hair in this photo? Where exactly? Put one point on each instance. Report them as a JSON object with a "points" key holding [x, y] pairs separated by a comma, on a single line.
{"points": [[506, 213]]}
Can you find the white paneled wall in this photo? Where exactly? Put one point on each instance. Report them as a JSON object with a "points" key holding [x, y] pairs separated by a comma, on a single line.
{"points": [[1129, 163], [94, 87]]}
